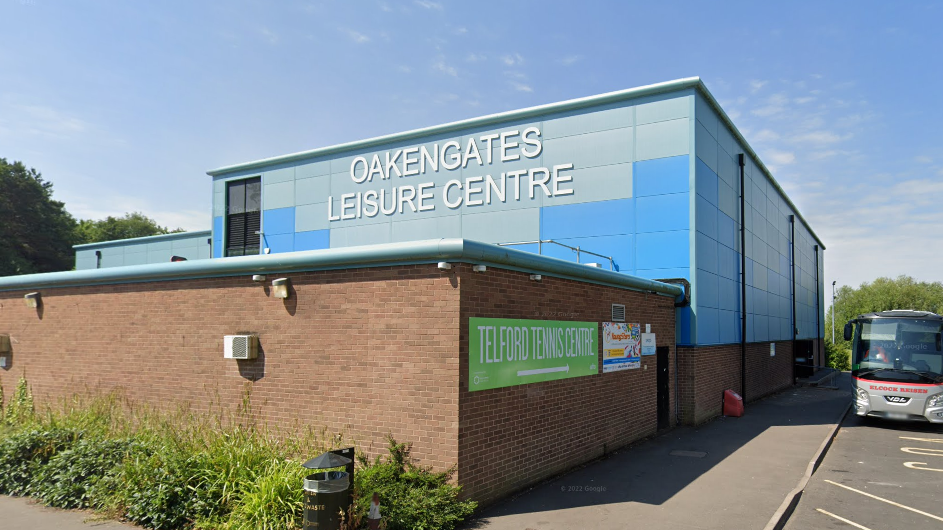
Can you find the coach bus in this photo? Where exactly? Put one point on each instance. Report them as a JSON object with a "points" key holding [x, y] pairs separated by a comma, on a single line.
{"points": [[897, 365]]}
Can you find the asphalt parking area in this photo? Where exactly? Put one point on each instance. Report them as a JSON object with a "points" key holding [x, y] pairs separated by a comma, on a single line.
{"points": [[877, 475]]}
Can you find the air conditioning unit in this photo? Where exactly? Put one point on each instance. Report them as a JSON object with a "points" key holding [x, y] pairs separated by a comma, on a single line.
{"points": [[240, 346]]}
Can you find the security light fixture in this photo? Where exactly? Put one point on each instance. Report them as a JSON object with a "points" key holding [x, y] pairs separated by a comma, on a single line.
{"points": [[32, 300], [444, 265], [258, 277], [535, 277], [479, 268], [280, 287]]}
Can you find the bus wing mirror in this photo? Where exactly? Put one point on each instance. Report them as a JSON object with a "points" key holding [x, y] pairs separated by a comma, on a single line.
{"points": [[848, 330]]}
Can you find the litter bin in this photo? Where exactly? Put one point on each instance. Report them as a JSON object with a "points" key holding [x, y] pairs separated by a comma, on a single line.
{"points": [[326, 493]]}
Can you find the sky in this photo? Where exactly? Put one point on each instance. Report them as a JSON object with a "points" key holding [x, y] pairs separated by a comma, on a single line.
{"points": [[124, 106]]}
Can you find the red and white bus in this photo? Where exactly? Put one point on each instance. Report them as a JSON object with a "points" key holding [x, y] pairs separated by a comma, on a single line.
{"points": [[897, 365]]}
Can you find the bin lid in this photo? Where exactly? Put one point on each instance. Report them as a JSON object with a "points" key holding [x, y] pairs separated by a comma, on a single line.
{"points": [[327, 461], [327, 482]]}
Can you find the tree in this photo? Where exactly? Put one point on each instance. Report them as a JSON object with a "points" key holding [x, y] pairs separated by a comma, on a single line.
{"points": [[883, 294], [36, 232], [133, 224]]}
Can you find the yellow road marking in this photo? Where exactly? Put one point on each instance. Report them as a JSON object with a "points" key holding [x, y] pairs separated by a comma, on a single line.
{"points": [[931, 440], [866, 494], [842, 519], [922, 451], [913, 465]]}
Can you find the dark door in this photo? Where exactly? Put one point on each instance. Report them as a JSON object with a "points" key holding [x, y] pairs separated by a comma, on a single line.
{"points": [[664, 396]]}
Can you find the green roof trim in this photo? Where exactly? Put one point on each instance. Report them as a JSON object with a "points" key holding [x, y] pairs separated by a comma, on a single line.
{"points": [[390, 254]]}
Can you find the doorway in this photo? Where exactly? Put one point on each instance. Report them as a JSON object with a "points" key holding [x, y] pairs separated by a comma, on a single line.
{"points": [[663, 385]]}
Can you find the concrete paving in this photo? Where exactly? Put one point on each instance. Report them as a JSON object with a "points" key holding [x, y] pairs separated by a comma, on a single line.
{"points": [[19, 513], [865, 478], [730, 473]]}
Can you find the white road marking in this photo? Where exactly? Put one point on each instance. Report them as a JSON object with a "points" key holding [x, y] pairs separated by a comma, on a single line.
{"points": [[842, 519], [922, 451], [866, 494], [932, 440], [913, 465]]}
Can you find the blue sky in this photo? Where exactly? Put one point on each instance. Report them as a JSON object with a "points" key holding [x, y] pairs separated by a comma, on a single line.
{"points": [[125, 105]]}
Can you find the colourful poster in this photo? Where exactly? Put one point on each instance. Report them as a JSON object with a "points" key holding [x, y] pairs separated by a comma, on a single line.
{"points": [[621, 346], [507, 352]]}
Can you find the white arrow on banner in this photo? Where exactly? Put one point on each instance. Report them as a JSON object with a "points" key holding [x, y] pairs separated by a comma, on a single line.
{"points": [[536, 371]]}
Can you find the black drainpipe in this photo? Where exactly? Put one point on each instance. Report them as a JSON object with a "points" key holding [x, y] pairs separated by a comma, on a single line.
{"points": [[98, 259], [743, 286], [792, 287], [817, 309]]}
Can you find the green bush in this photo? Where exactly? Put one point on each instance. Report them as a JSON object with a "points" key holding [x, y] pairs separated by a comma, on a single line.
{"points": [[23, 454], [274, 500], [411, 497], [70, 477], [836, 357], [20, 408]]}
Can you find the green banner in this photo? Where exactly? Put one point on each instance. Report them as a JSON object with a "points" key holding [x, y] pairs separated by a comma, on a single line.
{"points": [[506, 352]]}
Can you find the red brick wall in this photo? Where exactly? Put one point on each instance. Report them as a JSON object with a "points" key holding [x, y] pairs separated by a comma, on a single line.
{"points": [[512, 437], [706, 371], [363, 352]]}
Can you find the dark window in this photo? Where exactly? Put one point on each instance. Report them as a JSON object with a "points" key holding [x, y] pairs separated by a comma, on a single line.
{"points": [[243, 216]]}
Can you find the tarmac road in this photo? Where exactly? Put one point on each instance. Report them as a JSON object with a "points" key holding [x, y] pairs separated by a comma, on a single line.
{"points": [[877, 475]]}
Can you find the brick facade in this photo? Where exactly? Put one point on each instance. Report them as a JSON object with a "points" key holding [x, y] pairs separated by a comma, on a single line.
{"points": [[707, 371], [360, 352]]}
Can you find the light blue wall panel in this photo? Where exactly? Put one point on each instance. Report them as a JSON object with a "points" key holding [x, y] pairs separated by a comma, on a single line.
{"points": [[311, 217], [728, 263], [664, 110], [582, 121], [663, 139], [728, 200], [727, 233], [661, 176], [729, 324], [280, 195], [498, 227], [661, 213], [728, 292], [417, 229], [587, 219], [705, 147], [728, 168], [278, 175], [663, 250], [115, 260], [219, 204], [708, 289], [705, 217], [707, 253], [280, 221], [202, 252], [278, 243], [708, 326], [313, 240], [595, 184], [590, 150], [705, 182], [313, 169], [312, 190], [135, 258], [361, 235]]}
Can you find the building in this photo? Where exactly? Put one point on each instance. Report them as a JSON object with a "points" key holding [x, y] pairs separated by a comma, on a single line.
{"points": [[649, 183]]}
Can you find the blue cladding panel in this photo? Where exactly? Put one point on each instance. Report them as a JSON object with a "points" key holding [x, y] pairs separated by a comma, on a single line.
{"points": [[705, 181], [618, 247], [587, 219], [662, 213], [726, 230], [664, 274], [728, 263], [728, 294], [705, 218], [729, 322], [707, 326], [684, 326], [707, 290], [663, 250], [280, 242], [217, 237], [663, 175], [706, 254], [313, 240], [280, 221]]}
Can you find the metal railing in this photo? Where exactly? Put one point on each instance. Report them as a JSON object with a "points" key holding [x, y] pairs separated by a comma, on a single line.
{"points": [[578, 250]]}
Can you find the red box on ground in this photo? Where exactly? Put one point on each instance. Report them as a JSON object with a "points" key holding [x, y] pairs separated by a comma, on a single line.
{"points": [[733, 404]]}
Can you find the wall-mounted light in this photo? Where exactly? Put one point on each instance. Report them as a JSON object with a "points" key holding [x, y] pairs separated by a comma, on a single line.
{"points": [[479, 268], [258, 277], [32, 300], [280, 287], [444, 265], [535, 277]]}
